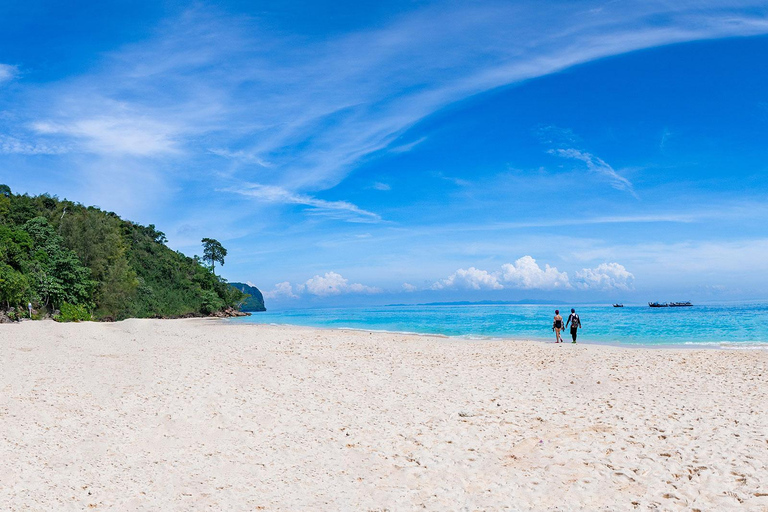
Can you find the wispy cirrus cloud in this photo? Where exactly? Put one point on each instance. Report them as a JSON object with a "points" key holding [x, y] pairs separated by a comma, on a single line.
{"points": [[7, 72], [384, 187], [339, 209], [599, 166], [115, 136], [314, 108], [564, 144], [12, 146]]}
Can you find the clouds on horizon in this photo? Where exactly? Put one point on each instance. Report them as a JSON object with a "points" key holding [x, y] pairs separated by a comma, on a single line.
{"points": [[329, 284], [524, 274]]}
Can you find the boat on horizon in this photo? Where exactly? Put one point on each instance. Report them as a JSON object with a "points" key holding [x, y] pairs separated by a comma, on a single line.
{"points": [[686, 304], [658, 305], [618, 305]]}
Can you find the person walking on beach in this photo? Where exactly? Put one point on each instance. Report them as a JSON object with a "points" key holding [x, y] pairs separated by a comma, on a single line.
{"points": [[557, 326], [575, 322]]}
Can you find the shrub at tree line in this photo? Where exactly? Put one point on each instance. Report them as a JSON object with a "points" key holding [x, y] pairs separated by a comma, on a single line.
{"points": [[85, 262]]}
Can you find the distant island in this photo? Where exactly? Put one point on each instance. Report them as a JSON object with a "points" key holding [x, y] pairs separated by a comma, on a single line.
{"points": [[73, 262], [255, 300]]}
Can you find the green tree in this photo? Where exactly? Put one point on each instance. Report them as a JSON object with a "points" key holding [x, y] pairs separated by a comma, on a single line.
{"points": [[22, 209], [15, 246], [213, 252], [59, 274], [14, 287], [98, 242], [5, 201], [55, 252], [5, 208]]}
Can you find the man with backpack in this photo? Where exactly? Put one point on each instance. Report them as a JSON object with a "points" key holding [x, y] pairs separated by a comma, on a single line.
{"points": [[575, 322]]}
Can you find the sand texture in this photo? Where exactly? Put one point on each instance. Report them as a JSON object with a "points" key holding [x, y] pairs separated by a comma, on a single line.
{"points": [[208, 415]]}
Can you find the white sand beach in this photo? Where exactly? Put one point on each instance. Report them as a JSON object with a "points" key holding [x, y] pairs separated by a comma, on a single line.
{"points": [[202, 414]]}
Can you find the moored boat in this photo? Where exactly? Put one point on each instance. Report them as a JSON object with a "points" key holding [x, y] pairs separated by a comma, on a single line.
{"points": [[618, 305], [686, 304], [658, 304]]}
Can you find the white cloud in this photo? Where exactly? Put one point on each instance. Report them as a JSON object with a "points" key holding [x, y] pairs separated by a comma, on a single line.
{"points": [[469, 279], [525, 273], [7, 72], [307, 114], [708, 261], [456, 181], [597, 165], [12, 145], [407, 147], [282, 290], [243, 156], [315, 111], [606, 276], [408, 288], [336, 209], [116, 135], [334, 284], [381, 186]]}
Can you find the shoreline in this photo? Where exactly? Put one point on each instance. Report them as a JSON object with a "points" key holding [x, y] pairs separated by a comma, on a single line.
{"points": [[708, 345]]}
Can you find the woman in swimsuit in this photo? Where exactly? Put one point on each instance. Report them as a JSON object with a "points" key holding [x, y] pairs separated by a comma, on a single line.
{"points": [[557, 326]]}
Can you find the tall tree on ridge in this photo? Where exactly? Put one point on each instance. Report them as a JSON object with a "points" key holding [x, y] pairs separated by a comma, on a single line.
{"points": [[213, 252]]}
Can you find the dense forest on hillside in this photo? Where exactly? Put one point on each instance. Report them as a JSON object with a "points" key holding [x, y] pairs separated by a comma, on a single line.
{"points": [[85, 263]]}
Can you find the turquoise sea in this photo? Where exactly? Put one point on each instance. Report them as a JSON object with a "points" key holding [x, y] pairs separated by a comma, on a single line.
{"points": [[736, 326]]}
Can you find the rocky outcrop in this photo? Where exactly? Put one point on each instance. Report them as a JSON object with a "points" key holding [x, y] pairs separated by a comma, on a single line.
{"points": [[230, 312], [256, 300]]}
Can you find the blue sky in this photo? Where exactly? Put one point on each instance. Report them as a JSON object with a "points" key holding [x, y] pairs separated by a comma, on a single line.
{"points": [[363, 153]]}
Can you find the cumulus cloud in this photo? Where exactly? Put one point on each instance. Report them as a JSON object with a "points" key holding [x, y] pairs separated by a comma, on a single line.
{"points": [[282, 290], [408, 287], [334, 284], [525, 273], [606, 276], [331, 283], [469, 279]]}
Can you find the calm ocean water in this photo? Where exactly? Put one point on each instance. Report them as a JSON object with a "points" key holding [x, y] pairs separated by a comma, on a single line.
{"points": [[736, 326]]}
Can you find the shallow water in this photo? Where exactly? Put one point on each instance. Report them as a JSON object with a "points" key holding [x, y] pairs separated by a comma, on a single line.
{"points": [[739, 326]]}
